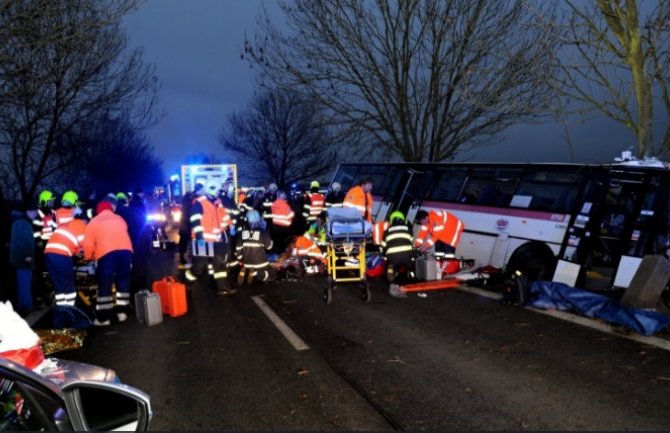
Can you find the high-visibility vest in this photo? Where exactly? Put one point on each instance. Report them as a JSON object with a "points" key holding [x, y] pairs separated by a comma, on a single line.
{"points": [[305, 247], [205, 220], [44, 225], [222, 214], [442, 226], [282, 214], [67, 239], [313, 206], [358, 199]]}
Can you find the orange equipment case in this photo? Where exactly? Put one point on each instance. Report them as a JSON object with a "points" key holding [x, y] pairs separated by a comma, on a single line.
{"points": [[173, 296]]}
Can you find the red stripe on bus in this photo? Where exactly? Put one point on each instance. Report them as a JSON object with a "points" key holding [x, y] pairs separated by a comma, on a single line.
{"points": [[516, 212]]}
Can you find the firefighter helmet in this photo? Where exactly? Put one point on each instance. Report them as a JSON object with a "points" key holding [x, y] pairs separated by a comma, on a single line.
{"points": [[69, 198], [336, 186], [397, 215], [45, 197], [314, 184], [121, 196], [272, 187]]}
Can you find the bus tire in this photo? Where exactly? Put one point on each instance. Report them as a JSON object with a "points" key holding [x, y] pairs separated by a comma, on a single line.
{"points": [[533, 259]]}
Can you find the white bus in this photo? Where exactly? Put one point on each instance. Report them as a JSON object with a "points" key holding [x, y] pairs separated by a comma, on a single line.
{"points": [[585, 225]]}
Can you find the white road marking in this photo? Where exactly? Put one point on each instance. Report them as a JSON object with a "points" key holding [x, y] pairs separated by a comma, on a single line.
{"points": [[286, 331], [584, 321]]}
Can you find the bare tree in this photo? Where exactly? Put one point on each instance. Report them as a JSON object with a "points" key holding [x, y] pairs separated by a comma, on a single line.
{"points": [[63, 65], [614, 59], [281, 138], [422, 79]]}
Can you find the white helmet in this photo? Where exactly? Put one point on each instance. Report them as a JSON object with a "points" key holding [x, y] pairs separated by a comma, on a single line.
{"points": [[253, 217], [272, 187], [336, 186]]}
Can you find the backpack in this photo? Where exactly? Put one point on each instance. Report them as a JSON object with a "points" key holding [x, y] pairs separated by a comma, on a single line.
{"points": [[516, 289]]}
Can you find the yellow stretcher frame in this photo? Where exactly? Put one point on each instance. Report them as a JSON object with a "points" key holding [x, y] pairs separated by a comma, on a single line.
{"points": [[338, 251]]}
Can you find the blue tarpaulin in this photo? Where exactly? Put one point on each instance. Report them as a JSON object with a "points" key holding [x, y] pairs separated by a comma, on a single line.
{"points": [[548, 295]]}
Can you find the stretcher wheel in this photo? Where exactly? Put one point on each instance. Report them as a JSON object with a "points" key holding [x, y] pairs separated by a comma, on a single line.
{"points": [[365, 292]]}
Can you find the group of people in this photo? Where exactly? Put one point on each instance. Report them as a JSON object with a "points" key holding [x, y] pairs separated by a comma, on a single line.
{"points": [[241, 237], [230, 243], [52, 240]]}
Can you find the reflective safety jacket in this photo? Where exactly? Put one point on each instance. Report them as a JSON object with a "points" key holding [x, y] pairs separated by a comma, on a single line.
{"points": [[223, 216], [63, 215], [314, 205], [397, 244], [105, 233], [358, 199], [442, 226], [305, 247], [282, 214], [44, 225], [67, 239], [251, 248], [205, 220]]}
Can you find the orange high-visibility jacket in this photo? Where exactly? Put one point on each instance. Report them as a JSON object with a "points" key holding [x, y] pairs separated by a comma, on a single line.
{"points": [[282, 214], [358, 199], [205, 222], [63, 215], [105, 233], [67, 239], [442, 226], [305, 247]]}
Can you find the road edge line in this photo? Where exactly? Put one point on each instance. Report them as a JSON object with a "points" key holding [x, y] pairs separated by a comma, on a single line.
{"points": [[297, 342]]}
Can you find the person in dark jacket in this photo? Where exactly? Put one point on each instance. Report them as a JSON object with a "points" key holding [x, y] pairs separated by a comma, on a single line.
{"points": [[22, 258], [134, 214], [253, 244], [398, 249], [184, 227]]}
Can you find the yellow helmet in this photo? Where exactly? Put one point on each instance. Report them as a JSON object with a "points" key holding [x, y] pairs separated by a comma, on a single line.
{"points": [[69, 198], [45, 197], [314, 184]]}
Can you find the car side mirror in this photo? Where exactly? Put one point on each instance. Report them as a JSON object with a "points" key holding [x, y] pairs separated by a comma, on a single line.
{"points": [[100, 406]]}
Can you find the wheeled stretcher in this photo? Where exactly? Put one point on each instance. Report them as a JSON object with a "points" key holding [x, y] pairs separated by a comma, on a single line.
{"points": [[346, 235]]}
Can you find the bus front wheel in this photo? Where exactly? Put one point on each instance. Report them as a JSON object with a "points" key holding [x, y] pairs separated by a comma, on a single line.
{"points": [[533, 259]]}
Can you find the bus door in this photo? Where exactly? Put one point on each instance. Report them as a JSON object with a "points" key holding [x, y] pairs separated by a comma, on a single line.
{"points": [[601, 236], [412, 189]]}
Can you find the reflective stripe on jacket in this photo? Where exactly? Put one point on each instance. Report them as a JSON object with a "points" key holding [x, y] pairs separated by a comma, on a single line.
{"points": [[358, 199], [305, 247], [442, 226], [204, 220], [67, 239], [282, 214]]}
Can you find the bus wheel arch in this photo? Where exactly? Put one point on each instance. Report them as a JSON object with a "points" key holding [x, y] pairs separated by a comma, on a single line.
{"points": [[534, 259]]}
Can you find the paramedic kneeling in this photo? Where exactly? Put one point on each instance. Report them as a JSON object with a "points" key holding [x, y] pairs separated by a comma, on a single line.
{"points": [[439, 228]]}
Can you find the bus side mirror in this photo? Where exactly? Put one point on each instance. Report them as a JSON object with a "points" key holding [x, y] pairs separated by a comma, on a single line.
{"points": [[98, 406]]}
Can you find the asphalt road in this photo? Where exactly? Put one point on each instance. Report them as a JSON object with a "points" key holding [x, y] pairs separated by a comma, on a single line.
{"points": [[450, 361]]}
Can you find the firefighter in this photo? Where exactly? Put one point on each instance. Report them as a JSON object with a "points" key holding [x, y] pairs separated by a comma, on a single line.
{"points": [[227, 199], [397, 248], [206, 228], [59, 254], [44, 224], [265, 205], [315, 202], [106, 240], [439, 228], [282, 217], [360, 198], [252, 246], [335, 196], [68, 209]]}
